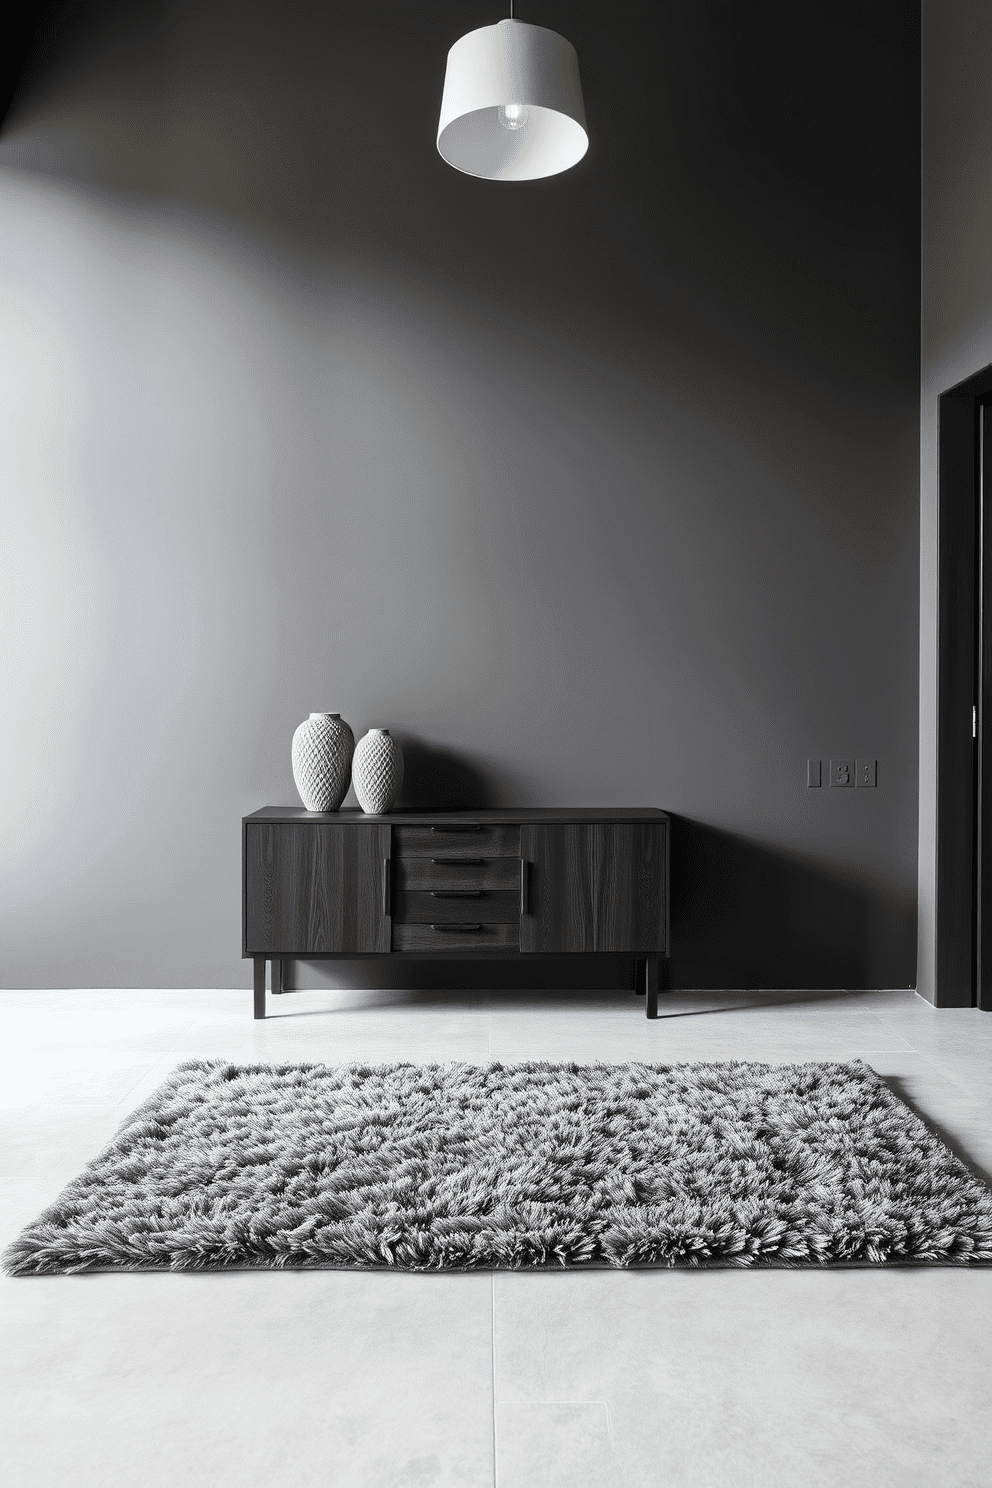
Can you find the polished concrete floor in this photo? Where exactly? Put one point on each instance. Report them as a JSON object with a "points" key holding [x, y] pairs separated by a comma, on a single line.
{"points": [[721, 1379]]}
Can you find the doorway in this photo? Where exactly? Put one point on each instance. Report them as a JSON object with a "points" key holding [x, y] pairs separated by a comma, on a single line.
{"points": [[964, 694]]}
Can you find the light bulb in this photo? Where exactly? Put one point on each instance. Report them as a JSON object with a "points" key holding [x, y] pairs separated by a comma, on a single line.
{"points": [[513, 115]]}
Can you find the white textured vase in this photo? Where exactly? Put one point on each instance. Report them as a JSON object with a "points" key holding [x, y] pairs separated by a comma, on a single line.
{"points": [[322, 751], [377, 771]]}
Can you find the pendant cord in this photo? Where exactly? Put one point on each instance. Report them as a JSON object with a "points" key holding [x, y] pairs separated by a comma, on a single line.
{"points": [[511, 10]]}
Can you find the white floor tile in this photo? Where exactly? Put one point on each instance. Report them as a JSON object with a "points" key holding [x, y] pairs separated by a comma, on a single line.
{"points": [[252, 1378], [563, 1445], [833, 1380], [761, 1379]]}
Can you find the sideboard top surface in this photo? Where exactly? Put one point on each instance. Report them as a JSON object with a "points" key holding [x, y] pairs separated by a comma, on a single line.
{"points": [[354, 815]]}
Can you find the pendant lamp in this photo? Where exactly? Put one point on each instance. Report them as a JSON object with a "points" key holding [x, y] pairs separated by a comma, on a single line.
{"points": [[512, 104]]}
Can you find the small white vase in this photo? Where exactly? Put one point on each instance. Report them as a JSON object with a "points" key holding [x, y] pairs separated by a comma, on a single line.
{"points": [[323, 747], [377, 771]]}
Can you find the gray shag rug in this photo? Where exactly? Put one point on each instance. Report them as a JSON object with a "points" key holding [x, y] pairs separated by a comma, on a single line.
{"points": [[460, 1166]]}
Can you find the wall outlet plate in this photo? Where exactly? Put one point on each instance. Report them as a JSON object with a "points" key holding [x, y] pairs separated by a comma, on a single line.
{"points": [[842, 772], [867, 772]]}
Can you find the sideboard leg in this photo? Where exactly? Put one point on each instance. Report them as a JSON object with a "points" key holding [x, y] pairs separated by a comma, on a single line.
{"points": [[651, 986], [640, 978], [259, 986], [277, 986]]}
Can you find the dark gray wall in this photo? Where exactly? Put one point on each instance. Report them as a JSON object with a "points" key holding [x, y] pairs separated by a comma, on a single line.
{"points": [[596, 490], [956, 326]]}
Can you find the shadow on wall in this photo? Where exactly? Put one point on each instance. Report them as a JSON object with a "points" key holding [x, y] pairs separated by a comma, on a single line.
{"points": [[745, 916], [741, 914], [633, 443], [436, 779]]}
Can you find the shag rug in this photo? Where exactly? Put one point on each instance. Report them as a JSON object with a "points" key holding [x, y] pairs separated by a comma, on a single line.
{"points": [[460, 1166]]}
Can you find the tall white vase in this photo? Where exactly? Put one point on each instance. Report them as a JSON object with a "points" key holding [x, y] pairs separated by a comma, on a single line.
{"points": [[323, 747], [377, 771]]}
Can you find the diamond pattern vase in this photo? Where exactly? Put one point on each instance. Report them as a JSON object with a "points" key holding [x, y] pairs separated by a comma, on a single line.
{"points": [[322, 751], [377, 771]]}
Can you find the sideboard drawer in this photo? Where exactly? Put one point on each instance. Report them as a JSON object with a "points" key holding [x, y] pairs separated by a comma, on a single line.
{"points": [[494, 907], [446, 872], [462, 840], [474, 937]]}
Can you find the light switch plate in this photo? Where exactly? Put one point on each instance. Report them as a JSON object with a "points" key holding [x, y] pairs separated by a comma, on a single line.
{"points": [[814, 772], [842, 772]]}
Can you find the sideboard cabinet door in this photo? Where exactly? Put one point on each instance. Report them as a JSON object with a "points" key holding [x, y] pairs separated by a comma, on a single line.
{"points": [[596, 887], [312, 888]]}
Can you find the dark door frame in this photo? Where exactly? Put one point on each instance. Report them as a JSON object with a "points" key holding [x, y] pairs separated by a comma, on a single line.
{"points": [[964, 699]]}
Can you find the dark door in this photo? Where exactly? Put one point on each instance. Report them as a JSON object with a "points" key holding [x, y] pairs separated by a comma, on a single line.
{"points": [[982, 726], [313, 889], [962, 924], [597, 887]]}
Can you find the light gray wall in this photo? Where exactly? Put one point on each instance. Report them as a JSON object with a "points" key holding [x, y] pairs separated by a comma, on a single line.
{"points": [[956, 301], [603, 487]]}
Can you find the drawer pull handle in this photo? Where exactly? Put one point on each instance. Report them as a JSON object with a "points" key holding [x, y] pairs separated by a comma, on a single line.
{"points": [[460, 862], [524, 865], [455, 929], [385, 886], [456, 893], [469, 827]]}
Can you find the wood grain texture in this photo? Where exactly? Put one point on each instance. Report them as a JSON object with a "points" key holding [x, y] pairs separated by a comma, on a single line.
{"points": [[424, 873], [314, 884], [487, 939], [507, 815], [597, 887], [496, 907], [315, 888], [493, 840]]}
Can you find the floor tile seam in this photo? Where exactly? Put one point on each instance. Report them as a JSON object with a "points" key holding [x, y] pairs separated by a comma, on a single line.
{"points": [[973, 1051], [495, 1438], [924, 1020], [708, 1017], [82, 1105], [976, 1058], [569, 1400], [783, 1019], [640, 1028], [944, 1076], [706, 1032], [492, 1283], [39, 1175], [59, 1062], [940, 1062], [855, 1041], [657, 1033], [761, 1054]]}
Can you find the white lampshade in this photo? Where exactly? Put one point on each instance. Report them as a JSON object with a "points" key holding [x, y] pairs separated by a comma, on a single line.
{"points": [[512, 106]]}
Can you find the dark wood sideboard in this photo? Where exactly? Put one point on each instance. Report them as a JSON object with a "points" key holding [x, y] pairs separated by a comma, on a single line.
{"points": [[454, 885]]}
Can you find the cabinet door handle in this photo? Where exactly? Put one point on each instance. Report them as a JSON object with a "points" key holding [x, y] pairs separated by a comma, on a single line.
{"points": [[465, 827], [385, 886], [456, 893], [455, 929], [460, 862], [524, 865]]}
